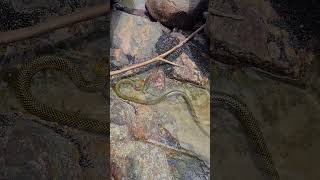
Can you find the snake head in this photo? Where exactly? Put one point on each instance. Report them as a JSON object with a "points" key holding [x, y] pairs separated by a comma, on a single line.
{"points": [[139, 86]]}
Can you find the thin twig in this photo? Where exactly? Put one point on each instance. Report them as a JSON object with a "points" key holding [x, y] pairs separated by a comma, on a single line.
{"points": [[158, 58], [169, 62]]}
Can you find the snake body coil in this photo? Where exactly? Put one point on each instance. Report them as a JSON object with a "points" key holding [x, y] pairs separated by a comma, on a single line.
{"points": [[35, 107]]}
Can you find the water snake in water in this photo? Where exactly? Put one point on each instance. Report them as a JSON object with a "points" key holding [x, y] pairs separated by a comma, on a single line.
{"points": [[220, 100], [31, 104]]}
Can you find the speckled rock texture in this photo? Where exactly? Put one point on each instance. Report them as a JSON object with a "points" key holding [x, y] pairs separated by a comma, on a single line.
{"points": [[258, 40]]}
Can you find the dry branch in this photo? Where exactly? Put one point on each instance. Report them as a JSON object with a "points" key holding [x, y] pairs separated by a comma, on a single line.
{"points": [[83, 14], [158, 58]]}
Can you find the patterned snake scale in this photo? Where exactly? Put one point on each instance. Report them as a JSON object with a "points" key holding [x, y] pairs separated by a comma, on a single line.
{"points": [[251, 126], [35, 107], [220, 100]]}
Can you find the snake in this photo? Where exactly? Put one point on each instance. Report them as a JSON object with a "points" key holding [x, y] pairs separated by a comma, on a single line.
{"points": [[219, 100], [140, 87], [72, 119]]}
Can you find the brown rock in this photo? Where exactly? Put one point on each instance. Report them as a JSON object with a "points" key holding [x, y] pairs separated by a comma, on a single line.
{"points": [[177, 13]]}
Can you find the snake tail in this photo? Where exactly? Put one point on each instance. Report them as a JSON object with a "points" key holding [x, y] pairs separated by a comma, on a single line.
{"points": [[35, 107], [251, 126]]}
